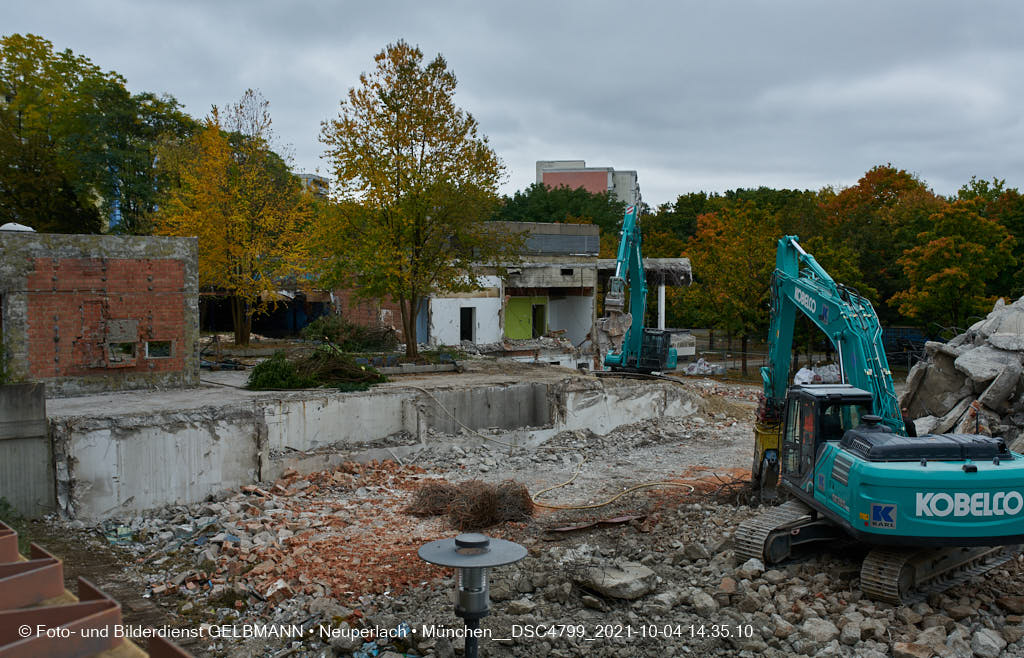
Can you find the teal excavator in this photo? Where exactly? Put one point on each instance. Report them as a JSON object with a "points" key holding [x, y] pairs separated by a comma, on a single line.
{"points": [[936, 509], [635, 348]]}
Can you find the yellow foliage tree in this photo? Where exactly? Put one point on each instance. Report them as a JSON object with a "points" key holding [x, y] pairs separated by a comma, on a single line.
{"points": [[417, 181], [250, 214]]}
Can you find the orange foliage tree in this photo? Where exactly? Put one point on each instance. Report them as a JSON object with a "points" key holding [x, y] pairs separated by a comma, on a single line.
{"points": [[880, 217], [733, 255], [949, 267]]}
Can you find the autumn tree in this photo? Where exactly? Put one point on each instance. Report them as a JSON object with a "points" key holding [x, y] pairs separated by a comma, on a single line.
{"points": [[949, 267], [994, 201], [237, 196], [880, 217], [733, 255], [416, 180]]}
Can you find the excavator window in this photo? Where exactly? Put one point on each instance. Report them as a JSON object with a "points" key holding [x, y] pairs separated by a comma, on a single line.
{"points": [[837, 418], [799, 444], [791, 441]]}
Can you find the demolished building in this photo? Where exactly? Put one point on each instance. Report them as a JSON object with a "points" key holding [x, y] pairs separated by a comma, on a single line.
{"points": [[85, 313]]}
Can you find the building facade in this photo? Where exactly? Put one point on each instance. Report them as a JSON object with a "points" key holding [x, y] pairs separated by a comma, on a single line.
{"points": [[622, 185]]}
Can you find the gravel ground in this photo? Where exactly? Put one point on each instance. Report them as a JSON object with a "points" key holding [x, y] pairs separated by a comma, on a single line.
{"points": [[334, 552]]}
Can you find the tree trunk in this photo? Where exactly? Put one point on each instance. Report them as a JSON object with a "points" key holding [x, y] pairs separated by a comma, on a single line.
{"points": [[711, 339], [743, 346], [408, 307], [241, 320]]}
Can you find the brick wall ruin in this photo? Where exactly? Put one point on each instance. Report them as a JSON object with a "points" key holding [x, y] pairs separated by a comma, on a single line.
{"points": [[86, 313]]}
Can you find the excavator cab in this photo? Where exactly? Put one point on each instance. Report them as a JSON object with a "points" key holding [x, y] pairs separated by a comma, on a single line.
{"points": [[814, 415]]}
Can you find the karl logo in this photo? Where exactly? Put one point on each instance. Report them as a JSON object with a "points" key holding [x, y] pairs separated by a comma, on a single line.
{"points": [[805, 300], [883, 515], [1000, 503]]}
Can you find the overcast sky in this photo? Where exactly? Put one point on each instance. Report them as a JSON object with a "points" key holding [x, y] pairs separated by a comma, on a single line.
{"points": [[693, 96]]}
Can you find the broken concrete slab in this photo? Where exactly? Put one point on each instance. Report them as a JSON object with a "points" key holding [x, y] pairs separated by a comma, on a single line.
{"points": [[629, 580], [1002, 387], [1004, 326], [952, 417], [983, 364], [939, 387]]}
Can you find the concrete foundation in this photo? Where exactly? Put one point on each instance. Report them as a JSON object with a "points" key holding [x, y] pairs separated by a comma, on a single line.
{"points": [[111, 465]]}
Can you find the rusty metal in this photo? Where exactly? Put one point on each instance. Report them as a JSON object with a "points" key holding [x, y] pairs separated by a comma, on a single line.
{"points": [[32, 581], [29, 592], [8, 543], [62, 631], [617, 520]]}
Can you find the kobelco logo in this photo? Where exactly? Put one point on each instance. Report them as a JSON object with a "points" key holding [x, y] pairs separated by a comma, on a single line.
{"points": [[1000, 503], [805, 300]]}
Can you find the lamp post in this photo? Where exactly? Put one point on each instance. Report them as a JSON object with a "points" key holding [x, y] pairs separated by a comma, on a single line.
{"points": [[472, 554]]}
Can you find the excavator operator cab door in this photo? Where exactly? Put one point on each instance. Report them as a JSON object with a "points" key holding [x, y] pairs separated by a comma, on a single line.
{"points": [[798, 441]]}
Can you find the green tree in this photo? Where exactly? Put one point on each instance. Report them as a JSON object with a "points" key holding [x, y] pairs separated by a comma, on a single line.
{"points": [[949, 267], [540, 203], [76, 147], [993, 200], [417, 181], [237, 196]]}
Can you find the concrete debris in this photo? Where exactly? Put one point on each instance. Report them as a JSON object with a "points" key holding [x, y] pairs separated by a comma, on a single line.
{"points": [[972, 384], [334, 548], [703, 367], [624, 581], [827, 374], [987, 643]]}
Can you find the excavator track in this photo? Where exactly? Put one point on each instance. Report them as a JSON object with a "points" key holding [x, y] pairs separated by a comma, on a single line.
{"points": [[907, 576], [753, 534]]}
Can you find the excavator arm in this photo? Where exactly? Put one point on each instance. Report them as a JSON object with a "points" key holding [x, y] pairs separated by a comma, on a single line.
{"points": [[801, 285]]}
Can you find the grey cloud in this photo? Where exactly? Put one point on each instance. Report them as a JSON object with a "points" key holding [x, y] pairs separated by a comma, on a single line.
{"points": [[692, 95]]}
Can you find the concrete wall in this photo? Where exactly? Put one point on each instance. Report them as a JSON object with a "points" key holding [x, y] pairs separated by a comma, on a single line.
{"points": [[111, 465], [574, 314], [26, 465], [446, 318], [69, 302], [577, 273]]}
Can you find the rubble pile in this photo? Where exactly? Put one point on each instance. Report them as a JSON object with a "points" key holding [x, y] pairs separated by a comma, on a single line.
{"points": [[334, 533], [680, 576], [335, 548], [555, 342], [972, 384]]}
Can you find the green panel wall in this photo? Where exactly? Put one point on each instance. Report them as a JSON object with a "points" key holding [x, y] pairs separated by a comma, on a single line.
{"points": [[518, 314]]}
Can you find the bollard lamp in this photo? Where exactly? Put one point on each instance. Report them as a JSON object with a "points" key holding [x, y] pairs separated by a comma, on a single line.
{"points": [[472, 554]]}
